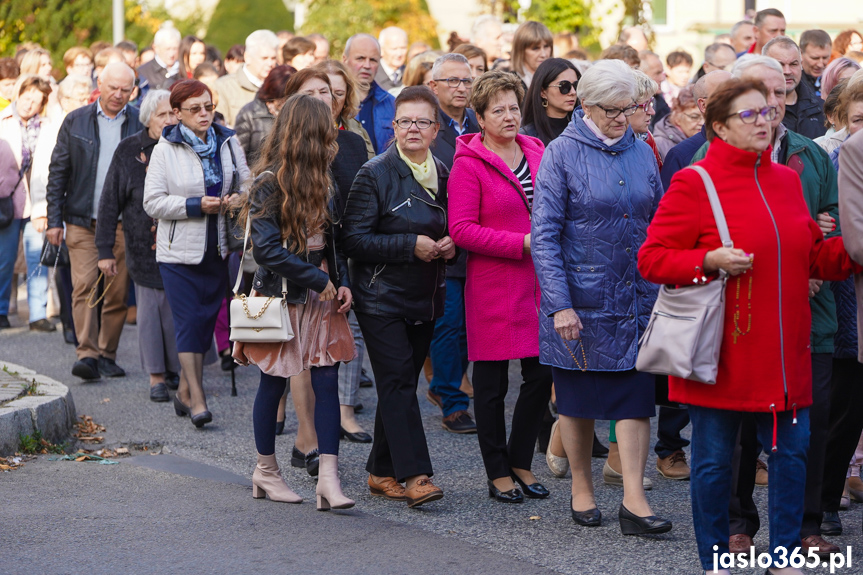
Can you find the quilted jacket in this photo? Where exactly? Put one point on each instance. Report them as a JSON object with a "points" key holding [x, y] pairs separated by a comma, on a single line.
{"points": [[591, 209]]}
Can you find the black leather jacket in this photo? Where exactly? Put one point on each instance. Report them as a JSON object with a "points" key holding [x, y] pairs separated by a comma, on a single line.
{"points": [[387, 209], [72, 174], [275, 262]]}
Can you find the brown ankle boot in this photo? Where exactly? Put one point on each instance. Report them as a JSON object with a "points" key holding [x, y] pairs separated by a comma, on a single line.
{"points": [[267, 480]]}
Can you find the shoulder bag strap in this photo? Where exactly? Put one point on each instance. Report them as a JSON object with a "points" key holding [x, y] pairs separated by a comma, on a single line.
{"points": [[245, 243], [716, 206]]}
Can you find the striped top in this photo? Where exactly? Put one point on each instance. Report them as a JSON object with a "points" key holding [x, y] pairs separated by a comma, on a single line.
{"points": [[522, 173]]}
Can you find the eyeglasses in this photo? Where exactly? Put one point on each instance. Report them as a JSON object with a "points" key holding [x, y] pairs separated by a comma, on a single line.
{"points": [[612, 113], [455, 82], [565, 86], [406, 123], [695, 117], [196, 109], [751, 115], [648, 105]]}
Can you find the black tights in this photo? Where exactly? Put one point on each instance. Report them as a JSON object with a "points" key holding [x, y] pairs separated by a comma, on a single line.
{"points": [[325, 383]]}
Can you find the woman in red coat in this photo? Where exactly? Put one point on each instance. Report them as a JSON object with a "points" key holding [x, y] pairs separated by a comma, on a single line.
{"points": [[764, 365]]}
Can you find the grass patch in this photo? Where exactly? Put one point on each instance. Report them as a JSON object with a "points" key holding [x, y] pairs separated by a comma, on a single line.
{"points": [[7, 370], [30, 389], [35, 444]]}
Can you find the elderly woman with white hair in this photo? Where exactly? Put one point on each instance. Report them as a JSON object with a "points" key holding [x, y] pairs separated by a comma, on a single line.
{"points": [[596, 191], [123, 195]]}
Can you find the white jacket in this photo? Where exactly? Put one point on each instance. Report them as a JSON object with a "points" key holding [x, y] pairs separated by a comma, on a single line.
{"points": [[175, 174]]}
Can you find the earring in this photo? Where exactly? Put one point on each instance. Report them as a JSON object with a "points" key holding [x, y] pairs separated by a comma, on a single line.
{"points": [[544, 103], [482, 133]]}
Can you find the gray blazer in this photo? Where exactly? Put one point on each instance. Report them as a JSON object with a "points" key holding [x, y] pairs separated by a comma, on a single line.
{"points": [[851, 215]]}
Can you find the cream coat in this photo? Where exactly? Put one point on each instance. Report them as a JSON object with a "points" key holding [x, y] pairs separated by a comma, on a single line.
{"points": [[851, 215]]}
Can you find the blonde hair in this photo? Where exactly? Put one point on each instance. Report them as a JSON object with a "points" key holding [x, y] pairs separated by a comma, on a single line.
{"points": [[32, 60]]}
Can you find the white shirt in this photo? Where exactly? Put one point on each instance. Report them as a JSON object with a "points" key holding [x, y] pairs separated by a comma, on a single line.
{"points": [[252, 78], [172, 71]]}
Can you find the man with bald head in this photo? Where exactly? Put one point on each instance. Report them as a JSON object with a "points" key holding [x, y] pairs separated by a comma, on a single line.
{"points": [[79, 164], [377, 107], [486, 33], [394, 49]]}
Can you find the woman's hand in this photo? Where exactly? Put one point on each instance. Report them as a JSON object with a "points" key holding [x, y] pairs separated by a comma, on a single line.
{"points": [[826, 222], [346, 297], [39, 224], [526, 246], [567, 324], [814, 287], [239, 353], [446, 248], [732, 260], [329, 292], [211, 205], [234, 201], [426, 249]]}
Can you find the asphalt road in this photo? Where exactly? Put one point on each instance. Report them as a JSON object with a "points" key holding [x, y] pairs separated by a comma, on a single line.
{"points": [[69, 517]]}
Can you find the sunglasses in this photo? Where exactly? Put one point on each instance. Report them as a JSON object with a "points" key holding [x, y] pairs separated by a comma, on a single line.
{"points": [[565, 86], [196, 109]]}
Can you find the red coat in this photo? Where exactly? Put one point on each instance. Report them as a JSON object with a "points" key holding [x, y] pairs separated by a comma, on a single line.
{"points": [[771, 364]]}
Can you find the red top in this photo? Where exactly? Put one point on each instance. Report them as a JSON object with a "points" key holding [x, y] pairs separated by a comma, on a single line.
{"points": [[771, 364], [652, 143]]}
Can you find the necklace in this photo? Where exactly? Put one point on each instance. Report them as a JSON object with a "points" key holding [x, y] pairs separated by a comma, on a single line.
{"points": [[737, 331], [514, 155]]}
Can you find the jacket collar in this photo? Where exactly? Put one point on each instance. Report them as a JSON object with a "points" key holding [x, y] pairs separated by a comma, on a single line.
{"points": [[144, 140], [806, 99], [727, 155], [471, 145], [448, 133], [173, 135], [578, 130], [391, 155]]}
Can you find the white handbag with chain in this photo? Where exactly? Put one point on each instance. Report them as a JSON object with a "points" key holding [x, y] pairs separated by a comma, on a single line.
{"points": [[259, 319]]}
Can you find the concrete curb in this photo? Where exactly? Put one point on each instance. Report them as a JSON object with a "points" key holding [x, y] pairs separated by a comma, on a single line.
{"points": [[52, 411]]}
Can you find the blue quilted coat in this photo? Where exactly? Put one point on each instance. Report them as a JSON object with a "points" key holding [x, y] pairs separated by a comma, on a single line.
{"points": [[591, 209]]}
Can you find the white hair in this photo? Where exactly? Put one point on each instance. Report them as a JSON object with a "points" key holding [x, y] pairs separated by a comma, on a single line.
{"points": [[451, 57], [856, 78], [166, 36], [607, 82], [150, 103], [751, 60], [477, 29], [391, 31], [261, 39], [644, 85], [73, 83]]}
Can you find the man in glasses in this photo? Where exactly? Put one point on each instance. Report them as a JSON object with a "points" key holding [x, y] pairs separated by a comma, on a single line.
{"points": [[819, 181], [79, 165], [452, 84], [718, 57], [804, 112]]}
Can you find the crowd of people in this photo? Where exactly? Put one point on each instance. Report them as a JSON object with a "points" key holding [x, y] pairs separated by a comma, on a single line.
{"points": [[509, 199]]}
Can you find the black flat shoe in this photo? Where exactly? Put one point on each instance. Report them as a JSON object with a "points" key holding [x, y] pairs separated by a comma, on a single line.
{"points": [[589, 518], [631, 524], [511, 496], [172, 380], [159, 393], [532, 491], [358, 408], [109, 368], [599, 450], [359, 437], [202, 419], [180, 408], [298, 458], [69, 336], [227, 361], [831, 524], [87, 369], [280, 427], [312, 462]]}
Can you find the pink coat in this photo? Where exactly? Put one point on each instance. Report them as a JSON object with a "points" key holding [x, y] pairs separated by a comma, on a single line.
{"points": [[489, 218]]}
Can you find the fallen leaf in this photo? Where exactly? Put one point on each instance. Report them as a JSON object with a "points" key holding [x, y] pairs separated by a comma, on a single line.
{"points": [[106, 400], [82, 458], [122, 451], [5, 467], [535, 517]]}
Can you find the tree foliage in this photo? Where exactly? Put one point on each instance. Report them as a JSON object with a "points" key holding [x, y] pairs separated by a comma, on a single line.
{"points": [[57, 25], [567, 16], [339, 20], [233, 20]]}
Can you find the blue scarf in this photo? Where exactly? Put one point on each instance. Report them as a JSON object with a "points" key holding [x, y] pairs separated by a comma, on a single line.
{"points": [[207, 153]]}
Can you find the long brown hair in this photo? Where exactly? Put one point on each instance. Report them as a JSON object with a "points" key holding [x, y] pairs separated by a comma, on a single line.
{"points": [[298, 150]]}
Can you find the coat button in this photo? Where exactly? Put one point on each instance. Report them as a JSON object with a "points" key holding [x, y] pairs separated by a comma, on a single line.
{"points": [[628, 283], [613, 153], [631, 316], [625, 216], [628, 250], [591, 269], [578, 269], [621, 182]]}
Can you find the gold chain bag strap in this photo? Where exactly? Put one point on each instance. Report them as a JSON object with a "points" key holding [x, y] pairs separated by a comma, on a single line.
{"points": [[259, 319], [684, 336]]}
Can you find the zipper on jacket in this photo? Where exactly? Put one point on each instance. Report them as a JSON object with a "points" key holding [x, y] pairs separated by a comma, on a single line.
{"points": [[407, 203], [434, 293], [171, 233], [376, 273], [206, 227], [779, 257]]}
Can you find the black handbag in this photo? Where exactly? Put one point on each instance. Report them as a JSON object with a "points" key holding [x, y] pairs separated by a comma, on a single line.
{"points": [[232, 216], [53, 256], [7, 206]]}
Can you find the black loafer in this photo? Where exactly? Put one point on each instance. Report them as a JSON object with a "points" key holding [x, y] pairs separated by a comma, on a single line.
{"points": [[831, 524], [202, 419], [180, 408], [589, 518], [86, 368], [532, 491], [312, 462], [511, 496], [227, 362], [365, 380], [280, 427], [4, 322], [159, 393], [358, 408], [109, 368], [359, 437], [172, 380], [631, 524], [298, 458], [42, 325], [69, 336], [599, 450]]}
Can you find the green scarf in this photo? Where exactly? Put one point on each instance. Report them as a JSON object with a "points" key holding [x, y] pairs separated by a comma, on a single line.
{"points": [[425, 173]]}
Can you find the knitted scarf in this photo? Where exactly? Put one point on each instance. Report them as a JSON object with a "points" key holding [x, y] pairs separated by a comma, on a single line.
{"points": [[206, 151]]}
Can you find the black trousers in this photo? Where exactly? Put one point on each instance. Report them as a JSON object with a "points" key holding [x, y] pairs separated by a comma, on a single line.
{"points": [[846, 426], [743, 513], [397, 349], [490, 384]]}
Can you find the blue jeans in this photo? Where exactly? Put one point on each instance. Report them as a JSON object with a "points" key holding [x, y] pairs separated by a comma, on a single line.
{"points": [[714, 435], [37, 274], [449, 350]]}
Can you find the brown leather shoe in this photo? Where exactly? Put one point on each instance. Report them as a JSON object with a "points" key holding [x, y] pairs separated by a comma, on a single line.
{"points": [[466, 386], [739, 544], [674, 466], [761, 474], [423, 491], [434, 398], [387, 487], [821, 546], [427, 369], [855, 488]]}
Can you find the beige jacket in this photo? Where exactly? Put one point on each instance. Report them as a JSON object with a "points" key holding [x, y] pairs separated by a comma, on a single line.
{"points": [[353, 125], [851, 215], [235, 91]]}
